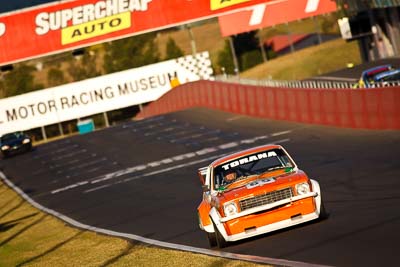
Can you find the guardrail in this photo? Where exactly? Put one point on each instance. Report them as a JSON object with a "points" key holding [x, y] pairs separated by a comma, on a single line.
{"points": [[313, 84], [376, 108]]}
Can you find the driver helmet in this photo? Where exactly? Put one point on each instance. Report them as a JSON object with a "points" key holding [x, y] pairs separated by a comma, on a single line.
{"points": [[230, 177]]}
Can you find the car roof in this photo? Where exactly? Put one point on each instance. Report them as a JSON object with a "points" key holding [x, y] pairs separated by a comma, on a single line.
{"points": [[377, 69], [244, 152], [13, 133]]}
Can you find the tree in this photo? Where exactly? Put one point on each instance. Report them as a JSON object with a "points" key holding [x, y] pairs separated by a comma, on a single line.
{"points": [[55, 77], [83, 67], [246, 42], [132, 52], [172, 50], [20, 80], [225, 60], [2, 89], [250, 59]]}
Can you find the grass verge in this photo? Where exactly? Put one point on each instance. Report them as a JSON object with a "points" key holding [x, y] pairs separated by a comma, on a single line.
{"points": [[29, 237], [309, 62]]}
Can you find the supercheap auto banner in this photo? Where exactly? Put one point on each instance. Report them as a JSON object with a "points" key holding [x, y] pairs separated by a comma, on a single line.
{"points": [[66, 25], [101, 94], [272, 13]]}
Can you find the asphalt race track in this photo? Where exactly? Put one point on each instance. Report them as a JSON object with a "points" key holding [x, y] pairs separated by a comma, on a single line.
{"points": [[140, 178]]}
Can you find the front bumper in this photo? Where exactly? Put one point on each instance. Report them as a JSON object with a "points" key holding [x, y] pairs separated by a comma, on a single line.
{"points": [[16, 149], [268, 218]]}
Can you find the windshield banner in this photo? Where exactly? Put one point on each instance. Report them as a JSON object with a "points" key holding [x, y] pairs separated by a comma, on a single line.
{"points": [[67, 25]]}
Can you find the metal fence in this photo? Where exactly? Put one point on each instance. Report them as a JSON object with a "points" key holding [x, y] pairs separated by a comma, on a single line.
{"points": [[307, 84]]}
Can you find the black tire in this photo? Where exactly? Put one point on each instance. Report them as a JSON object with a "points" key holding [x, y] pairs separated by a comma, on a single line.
{"points": [[212, 239], [221, 242], [323, 213]]}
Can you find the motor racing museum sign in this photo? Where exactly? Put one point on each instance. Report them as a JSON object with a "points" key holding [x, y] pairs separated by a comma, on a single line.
{"points": [[67, 25], [101, 94]]}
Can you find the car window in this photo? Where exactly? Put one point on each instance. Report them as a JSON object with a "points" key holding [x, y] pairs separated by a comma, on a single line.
{"points": [[252, 164], [391, 78], [11, 136]]}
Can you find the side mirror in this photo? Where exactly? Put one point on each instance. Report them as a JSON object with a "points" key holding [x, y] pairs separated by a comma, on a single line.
{"points": [[202, 172]]}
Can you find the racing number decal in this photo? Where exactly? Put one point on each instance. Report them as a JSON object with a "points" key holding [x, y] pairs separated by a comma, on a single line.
{"points": [[260, 183]]}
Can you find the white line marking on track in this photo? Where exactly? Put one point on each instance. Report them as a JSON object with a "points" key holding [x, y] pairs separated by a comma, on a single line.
{"points": [[208, 150], [97, 188], [153, 242], [70, 154], [281, 133], [234, 118], [171, 169], [69, 187]]}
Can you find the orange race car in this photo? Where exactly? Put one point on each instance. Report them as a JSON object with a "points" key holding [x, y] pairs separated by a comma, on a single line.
{"points": [[253, 192]]}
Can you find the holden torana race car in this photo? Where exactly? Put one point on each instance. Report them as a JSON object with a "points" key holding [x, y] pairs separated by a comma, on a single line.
{"points": [[253, 192], [13, 143]]}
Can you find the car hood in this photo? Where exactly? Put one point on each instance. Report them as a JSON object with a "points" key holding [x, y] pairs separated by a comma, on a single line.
{"points": [[13, 142], [262, 184]]}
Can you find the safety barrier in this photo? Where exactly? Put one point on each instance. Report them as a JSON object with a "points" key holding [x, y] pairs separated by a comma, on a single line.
{"points": [[323, 83], [377, 108]]}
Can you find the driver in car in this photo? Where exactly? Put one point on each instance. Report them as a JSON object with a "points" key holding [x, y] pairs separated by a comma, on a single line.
{"points": [[229, 177]]}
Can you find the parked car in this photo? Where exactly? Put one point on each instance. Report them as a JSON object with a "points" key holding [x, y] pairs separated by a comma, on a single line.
{"points": [[253, 192], [378, 75], [14, 143], [388, 77]]}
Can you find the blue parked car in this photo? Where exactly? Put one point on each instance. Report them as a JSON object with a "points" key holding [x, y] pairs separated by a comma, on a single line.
{"points": [[378, 75], [388, 76]]}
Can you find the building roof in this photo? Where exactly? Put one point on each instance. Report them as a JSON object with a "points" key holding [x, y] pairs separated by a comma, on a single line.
{"points": [[280, 42]]}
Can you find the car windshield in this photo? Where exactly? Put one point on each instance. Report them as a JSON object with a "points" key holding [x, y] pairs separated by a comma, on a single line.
{"points": [[391, 78], [248, 165], [11, 136]]}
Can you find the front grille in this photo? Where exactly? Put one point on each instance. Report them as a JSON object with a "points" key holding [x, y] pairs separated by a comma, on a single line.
{"points": [[266, 198]]}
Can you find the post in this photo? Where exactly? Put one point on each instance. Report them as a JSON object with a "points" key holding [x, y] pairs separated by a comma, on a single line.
{"points": [[235, 61], [262, 47], [44, 133], [192, 41], [106, 119], [60, 128], [290, 38], [317, 29]]}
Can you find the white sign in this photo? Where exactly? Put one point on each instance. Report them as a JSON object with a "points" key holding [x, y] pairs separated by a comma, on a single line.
{"points": [[345, 29], [101, 94]]}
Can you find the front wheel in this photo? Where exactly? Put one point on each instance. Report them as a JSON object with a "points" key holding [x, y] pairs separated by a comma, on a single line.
{"points": [[221, 242], [323, 213]]}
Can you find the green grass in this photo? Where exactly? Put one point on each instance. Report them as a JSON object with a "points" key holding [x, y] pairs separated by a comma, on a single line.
{"points": [[309, 62], [29, 237]]}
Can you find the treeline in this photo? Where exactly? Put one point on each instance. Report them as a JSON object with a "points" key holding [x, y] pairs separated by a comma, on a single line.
{"points": [[86, 63]]}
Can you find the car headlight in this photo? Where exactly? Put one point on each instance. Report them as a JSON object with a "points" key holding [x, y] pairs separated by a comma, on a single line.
{"points": [[230, 209], [303, 188], [26, 141], [5, 147]]}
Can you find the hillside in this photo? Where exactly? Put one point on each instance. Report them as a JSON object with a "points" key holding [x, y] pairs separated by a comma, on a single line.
{"points": [[312, 61]]}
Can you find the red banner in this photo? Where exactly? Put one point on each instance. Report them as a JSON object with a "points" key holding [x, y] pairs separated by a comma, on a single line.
{"points": [[272, 13], [68, 25]]}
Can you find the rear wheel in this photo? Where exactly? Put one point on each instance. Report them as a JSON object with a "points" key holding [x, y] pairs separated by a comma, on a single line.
{"points": [[212, 239], [221, 242]]}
